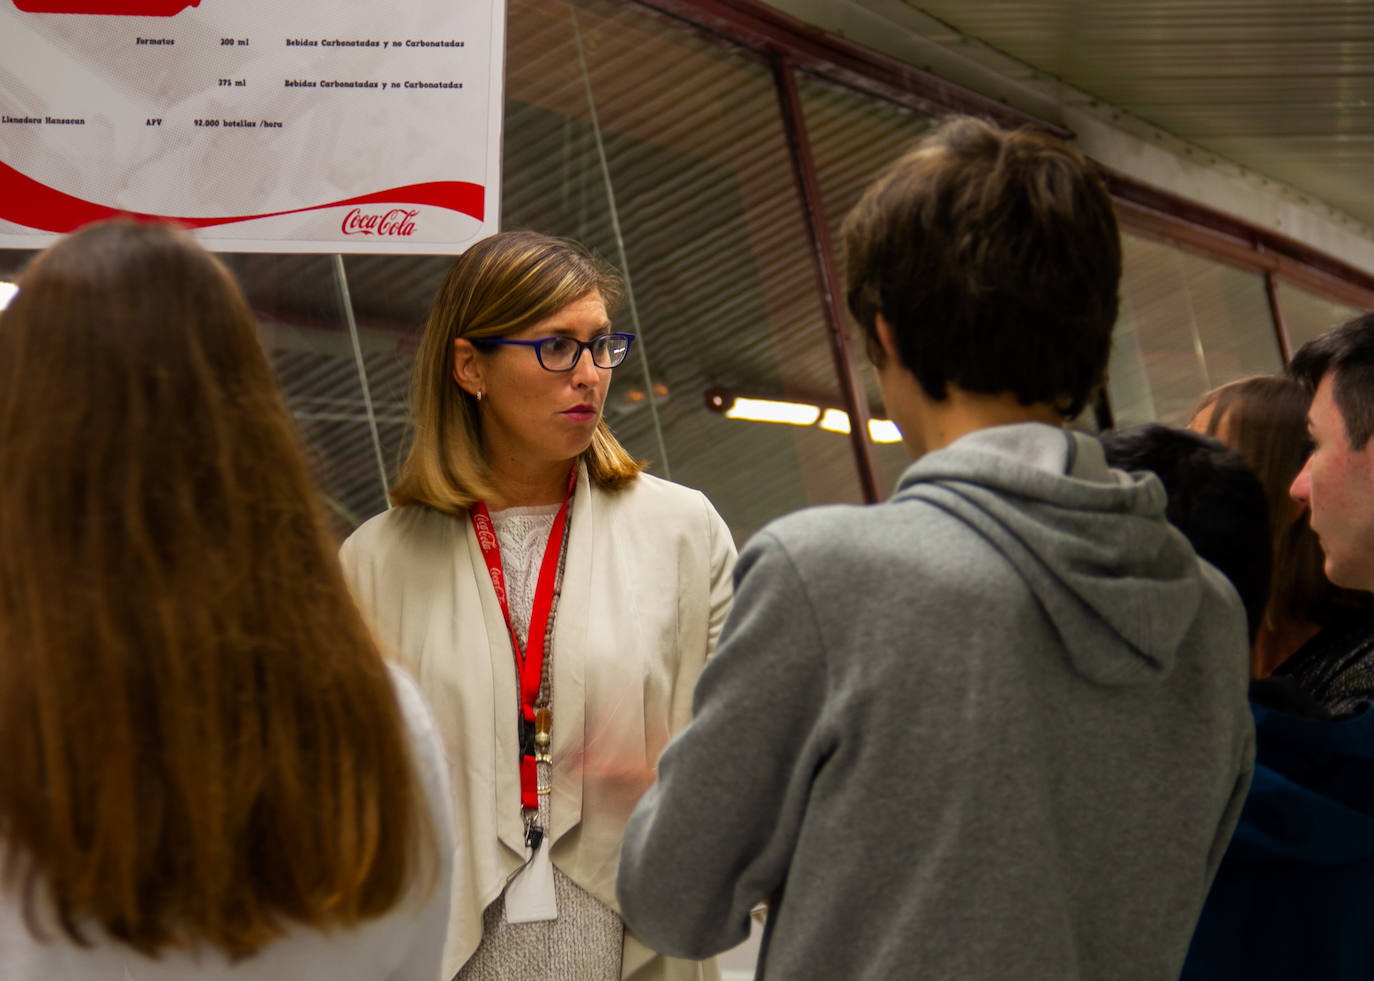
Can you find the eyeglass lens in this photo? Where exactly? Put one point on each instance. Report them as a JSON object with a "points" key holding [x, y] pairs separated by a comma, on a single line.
{"points": [[560, 353]]}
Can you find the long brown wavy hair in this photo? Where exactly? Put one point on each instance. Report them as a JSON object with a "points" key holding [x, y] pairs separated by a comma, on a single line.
{"points": [[496, 288], [201, 738]]}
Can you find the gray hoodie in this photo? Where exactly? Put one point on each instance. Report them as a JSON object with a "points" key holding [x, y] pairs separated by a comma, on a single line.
{"points": [[993, 728]]}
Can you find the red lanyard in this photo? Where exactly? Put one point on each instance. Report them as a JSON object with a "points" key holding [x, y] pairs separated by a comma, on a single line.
{"points": [[529, 664]]}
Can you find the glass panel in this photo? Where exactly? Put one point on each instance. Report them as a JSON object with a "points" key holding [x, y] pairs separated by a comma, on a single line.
{"points": [[12, 263], [1305, 315], [713, 238], [391, 295], [711, 234], [305, 331], [713, 241], [718, 256], [301, 317], [1187, 324], [853, 137]]}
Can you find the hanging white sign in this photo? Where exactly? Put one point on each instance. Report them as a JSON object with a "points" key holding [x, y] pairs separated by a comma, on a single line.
{"points": [[264, 126]]}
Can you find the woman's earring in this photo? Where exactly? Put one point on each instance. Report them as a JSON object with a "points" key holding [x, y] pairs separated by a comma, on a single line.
{"points": [[479, 395]]}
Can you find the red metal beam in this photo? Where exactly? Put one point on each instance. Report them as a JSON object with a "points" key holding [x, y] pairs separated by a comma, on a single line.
{"points": [[1271, 292], [1168, 217], [827, 276], [1143, 208], [775, 34]]}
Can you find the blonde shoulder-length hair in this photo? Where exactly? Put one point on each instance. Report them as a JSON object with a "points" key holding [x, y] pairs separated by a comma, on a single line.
{"points": [[496, 288]]}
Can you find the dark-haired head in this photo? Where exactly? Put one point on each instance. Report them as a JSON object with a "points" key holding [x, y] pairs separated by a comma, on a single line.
{"points": [[1214, 499], [1335, 482], [995, 257], [1347, 354]]}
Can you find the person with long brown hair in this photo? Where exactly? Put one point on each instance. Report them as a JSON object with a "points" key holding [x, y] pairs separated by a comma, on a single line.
{"points": [[210, 771], [555, 603], [1264, 418]]}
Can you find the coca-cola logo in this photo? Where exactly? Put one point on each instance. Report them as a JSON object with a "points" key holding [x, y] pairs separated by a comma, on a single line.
{"points": [[485, 536], [498, 585], [397, 221]]}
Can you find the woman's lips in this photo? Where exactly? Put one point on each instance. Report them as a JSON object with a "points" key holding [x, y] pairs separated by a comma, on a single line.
{"points": [[580, 413]]}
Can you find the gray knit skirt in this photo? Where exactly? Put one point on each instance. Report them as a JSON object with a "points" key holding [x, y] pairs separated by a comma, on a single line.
{"points": [[582, 944]]}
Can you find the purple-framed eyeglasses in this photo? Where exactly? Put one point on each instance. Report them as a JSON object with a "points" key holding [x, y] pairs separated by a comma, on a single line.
{"points": [[560, 353]]}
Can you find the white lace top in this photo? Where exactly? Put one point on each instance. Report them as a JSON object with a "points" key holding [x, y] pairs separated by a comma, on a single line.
{"points": [[522, 534], [584, 940]]}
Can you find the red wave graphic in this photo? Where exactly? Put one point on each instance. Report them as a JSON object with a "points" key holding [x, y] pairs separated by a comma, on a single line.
{"points": [[33, 204], [127, 8]]}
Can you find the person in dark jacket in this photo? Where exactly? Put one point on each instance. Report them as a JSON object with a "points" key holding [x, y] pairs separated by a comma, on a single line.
{"points": [[1292, 896], [1337, 485]]}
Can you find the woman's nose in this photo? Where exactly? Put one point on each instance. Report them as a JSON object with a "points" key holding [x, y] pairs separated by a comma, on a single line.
{"points": [[584, 370]]}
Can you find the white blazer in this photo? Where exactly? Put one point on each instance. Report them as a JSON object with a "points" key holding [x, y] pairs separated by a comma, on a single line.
{"points": [[646, 587]]}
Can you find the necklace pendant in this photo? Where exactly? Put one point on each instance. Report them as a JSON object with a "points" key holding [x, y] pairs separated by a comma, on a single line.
{"points": [[543, 727]]}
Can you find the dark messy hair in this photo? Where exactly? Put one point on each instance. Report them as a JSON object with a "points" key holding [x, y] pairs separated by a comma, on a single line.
{"points": [[1348, 352], [1214, 499], [996, 259]]}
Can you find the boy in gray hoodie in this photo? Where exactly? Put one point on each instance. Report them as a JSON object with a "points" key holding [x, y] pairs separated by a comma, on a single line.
{"points": [[995, 727]]}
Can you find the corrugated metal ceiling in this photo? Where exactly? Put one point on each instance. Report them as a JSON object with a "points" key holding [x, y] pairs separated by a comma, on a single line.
{"points": [[1284, 89]]}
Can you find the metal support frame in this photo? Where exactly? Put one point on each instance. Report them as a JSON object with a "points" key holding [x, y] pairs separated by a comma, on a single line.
{"points": [[1271, 293], [776, 34], [827, 276], [1142, 208], [346, 304], [665, 465]]}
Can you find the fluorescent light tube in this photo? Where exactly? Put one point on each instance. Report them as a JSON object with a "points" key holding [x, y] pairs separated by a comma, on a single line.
{"points": [[884, 431], [835, 420], [766, 410]]}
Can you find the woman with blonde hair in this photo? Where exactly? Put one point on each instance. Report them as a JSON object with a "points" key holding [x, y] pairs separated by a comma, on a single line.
{"points": [[209, 770], [1265, 419], [555, 603]]}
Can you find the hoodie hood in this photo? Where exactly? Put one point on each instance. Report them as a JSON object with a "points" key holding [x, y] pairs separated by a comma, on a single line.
{"points": [[1120, 584]]}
